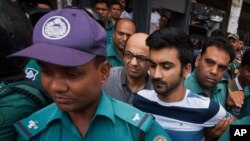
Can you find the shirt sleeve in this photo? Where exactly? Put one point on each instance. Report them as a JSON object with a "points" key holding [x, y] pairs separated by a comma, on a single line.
{"points": [[222, 113]]}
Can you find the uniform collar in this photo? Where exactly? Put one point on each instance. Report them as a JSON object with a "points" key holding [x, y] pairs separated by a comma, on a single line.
{"points": [[238, 83], [197, 88], [110, 24], [112, 53], [105, 107]]}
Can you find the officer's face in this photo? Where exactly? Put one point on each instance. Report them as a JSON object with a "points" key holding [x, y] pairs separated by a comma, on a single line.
{"points": [[102, 9], [211, 66], [124, 29], [244, 76], [74, 89], [115, 11], [166, 72]]}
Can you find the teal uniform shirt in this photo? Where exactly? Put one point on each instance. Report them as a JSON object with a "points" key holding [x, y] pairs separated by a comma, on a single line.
{"points": [[219, 92], [113, 57], [244, 117], [15, 106], [32, 71], [110, 30], [113, 121], [245, 110]]}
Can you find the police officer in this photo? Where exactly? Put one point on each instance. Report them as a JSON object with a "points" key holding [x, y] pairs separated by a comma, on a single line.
{"points": [[70, 48], [17, 100]]}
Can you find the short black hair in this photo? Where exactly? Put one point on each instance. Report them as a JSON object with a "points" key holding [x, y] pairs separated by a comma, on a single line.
{"points": [[172, 38], [218, 32], [103, 1], [115, 2], [99, 60], [246, 58], [220, 43]]}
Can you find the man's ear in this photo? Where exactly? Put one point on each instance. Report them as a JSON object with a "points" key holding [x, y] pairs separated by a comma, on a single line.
{"points": [[104, 70], [187, 70], [197, 60]]}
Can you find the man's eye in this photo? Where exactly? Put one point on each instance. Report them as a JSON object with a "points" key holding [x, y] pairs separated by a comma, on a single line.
{"points": [[141, 59], [209, 62], [152, 65], [46, 72], [167, 67], [72, 75]]}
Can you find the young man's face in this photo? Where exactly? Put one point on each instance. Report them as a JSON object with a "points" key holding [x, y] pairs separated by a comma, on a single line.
{"points": [[74, 88], [244, 77], [102, 9], [211, 66], [166, 72], [115, 11]]}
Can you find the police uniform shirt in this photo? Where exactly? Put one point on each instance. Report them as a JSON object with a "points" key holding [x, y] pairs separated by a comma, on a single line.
{"points": [[113, 121], [117, 86], [14, 106], [113, 57], [234, 85], [219, 91]]}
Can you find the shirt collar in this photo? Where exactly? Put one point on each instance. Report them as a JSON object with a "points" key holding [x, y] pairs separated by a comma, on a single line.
{"points": [[113, 53], [104, 108], [123, 76], [238, 83], [198, 88]]}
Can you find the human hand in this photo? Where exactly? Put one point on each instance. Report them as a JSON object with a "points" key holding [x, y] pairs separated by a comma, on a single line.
{"points": [[235, 99], [212, 133]]}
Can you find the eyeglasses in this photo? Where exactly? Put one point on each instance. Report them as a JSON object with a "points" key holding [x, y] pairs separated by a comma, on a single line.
{"points": [[139, 58]]}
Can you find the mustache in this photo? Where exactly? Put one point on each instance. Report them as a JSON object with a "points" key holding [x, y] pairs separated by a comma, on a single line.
{"points": [[211, 77], [158, 81]]}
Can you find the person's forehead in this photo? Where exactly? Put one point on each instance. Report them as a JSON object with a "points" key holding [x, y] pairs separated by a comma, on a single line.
{"points": [[116, 6], [165, 54], [102, 4], [137, 49], [124, 24], [217, 54]]}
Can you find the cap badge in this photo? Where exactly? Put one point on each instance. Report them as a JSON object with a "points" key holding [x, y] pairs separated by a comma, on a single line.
{"points": [[56, 27], [31, 73]]}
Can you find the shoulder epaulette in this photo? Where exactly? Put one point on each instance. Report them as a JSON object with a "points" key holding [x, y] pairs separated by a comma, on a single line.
{"points": [[37, 122], [132, 115]]}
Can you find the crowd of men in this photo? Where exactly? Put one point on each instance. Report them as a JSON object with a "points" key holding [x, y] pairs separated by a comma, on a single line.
{"points": [[88, 77]]}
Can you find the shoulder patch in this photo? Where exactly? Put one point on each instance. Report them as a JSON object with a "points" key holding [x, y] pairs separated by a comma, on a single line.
{"points": [[132, 115], [160, 138], [35, 123]]}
